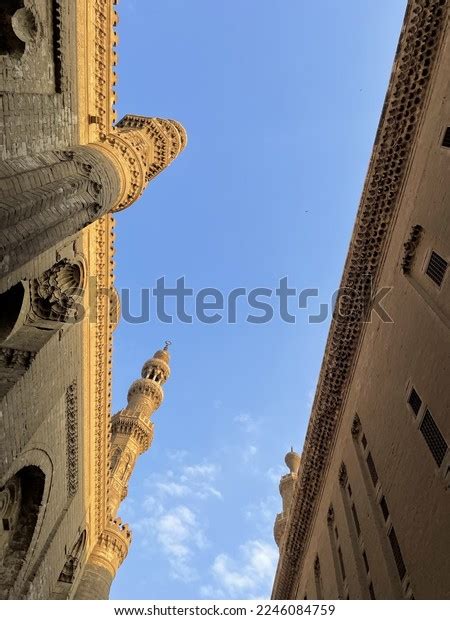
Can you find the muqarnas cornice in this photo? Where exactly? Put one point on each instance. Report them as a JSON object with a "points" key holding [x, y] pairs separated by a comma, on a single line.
{"points": [[140, 148]]}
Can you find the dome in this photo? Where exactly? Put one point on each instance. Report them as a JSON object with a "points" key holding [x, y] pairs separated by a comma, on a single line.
{"points": [[292, 460]]}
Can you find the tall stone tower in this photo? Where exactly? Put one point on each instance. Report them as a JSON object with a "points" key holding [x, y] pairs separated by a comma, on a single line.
{"points": [[287, 488], [132, 434]]}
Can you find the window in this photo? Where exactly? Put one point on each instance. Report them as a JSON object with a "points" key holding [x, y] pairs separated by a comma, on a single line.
{"points": [[446, 138], [433, 438], [364, 441], [372, 469], [318, 578], [355, 519], [397, 553], [436, 269], [384, 508], [366, 561], [341, 563], [414, 401]]}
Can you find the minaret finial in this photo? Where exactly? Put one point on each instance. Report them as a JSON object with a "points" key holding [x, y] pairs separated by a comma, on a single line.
{"points": [[167, 345]]}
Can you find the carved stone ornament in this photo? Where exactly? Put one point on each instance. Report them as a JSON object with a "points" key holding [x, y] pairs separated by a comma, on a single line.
{"points": [[330, 515], [72, 438], [410, 248], [356, 426], [343, 477], [54, 295]]}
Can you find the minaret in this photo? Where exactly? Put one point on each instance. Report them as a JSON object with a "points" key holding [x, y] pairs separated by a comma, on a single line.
{"points": [[132, 434], [132, 429], [287, 487]]}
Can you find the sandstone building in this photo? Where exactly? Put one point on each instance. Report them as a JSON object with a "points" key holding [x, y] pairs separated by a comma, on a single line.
{"points": [[66, 167], [366, 510]]}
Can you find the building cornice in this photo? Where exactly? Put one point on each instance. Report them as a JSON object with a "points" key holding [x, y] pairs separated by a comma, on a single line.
{"points": [[420, 42]]}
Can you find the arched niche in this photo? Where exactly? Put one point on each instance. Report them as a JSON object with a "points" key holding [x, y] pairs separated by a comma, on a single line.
{"points": [[70, 569], [14, 304], [20, 502]]}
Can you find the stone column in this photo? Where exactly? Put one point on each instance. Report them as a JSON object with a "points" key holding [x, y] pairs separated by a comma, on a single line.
{"points": [[104, 561], [48, 197]]}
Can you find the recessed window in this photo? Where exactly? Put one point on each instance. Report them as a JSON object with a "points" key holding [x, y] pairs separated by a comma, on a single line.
{"points": [[349, 489], [341, 563], [434, 438], [356, 520], [366, 562], [446, 138], [414, 401], [364, 441], [397, 553], [437, 266], [372, 469], [384, 508]]}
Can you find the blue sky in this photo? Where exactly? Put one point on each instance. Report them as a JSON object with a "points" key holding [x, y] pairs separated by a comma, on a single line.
{"points": [[281, 101]]}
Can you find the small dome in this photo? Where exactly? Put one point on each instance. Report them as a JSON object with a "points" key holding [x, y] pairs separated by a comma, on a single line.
{"points": [[163, 354], [157, 368], [292, 460]]}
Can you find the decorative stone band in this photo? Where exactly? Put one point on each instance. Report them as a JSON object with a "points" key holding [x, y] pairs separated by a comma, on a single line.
{"points": [[112, 546], [137, 428], [419, 46], [140, 148], [147, 392]]}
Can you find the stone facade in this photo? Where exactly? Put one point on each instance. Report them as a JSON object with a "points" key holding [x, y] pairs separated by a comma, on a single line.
{"points": [[369, 513], [66, 166]]}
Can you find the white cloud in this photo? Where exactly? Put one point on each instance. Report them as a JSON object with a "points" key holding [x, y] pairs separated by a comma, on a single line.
{"points": [[172, 528], [172, 488], [249, 452], [177, 533], [263, 514], [177, 455], [247, 422], [190, 481], [249, 576], [206, 471], [274, 473]]}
